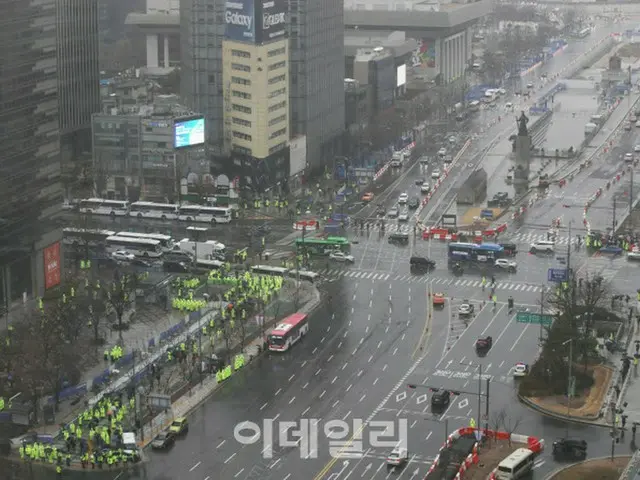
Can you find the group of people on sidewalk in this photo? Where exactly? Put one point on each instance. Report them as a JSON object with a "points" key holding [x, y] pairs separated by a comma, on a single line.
{"points": [[95, 437]]}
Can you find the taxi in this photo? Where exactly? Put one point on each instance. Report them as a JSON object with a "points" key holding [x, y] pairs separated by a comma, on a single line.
{"points": [[520, 369], [367, 197], [438, 300], [179, 426]]}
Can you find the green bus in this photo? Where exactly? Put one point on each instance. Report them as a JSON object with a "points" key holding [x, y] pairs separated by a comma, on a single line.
{"points": [[317, 246]]}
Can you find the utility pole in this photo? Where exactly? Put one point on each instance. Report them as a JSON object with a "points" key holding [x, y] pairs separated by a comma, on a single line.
{"points": [[613, 219], [479, 395], [542, 309], [569, 382], [631, 196]]}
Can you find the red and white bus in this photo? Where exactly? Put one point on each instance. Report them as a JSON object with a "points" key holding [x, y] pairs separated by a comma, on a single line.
{"points": [[288, 332]]}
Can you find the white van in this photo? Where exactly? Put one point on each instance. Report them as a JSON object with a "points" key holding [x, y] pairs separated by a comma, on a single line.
{"points": [[545, 246], [516, 465]]}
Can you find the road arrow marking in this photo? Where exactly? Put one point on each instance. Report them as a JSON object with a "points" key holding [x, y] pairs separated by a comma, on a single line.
{"points": [[415, 473], [401, 396], [421, 399], [366, 469], [464, 403]]}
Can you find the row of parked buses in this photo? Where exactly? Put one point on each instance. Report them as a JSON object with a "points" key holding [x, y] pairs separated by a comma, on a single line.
{"points": [[160, 211]]}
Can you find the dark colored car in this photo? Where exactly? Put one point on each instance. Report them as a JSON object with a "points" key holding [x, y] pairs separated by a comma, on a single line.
{"points": [[163, 441], [440, 398], [414, 203], [569, 449], [175, 267], [399, 238], [510, 249], [484, 344], [421, 263]]}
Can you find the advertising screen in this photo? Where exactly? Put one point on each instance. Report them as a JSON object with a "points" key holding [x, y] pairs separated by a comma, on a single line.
{"points": [[240, 20], [401, 75], [52, 265], [271, 20], [188, 133]]}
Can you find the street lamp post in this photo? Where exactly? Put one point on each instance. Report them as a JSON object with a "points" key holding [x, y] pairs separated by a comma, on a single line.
{"points": [[569, 381]]}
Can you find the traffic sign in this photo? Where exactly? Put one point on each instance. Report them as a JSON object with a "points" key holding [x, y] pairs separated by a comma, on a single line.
{"points": [[557, 275], [535, 318]]}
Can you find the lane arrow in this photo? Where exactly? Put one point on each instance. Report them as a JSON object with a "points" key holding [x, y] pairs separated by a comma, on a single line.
{"points": [[366, 469], [414, 474]]}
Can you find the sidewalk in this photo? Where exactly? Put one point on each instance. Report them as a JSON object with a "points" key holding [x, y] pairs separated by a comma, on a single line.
{"points": [[630, 388]]}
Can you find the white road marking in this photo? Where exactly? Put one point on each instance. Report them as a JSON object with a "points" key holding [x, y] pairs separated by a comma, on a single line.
{"points": [[230, 458], [305, 411], [345, 365], [330, 358], [292, 376], [292, 400], [345, 334], [318, 372], [355, 350], [277, 392], [195, 466], [384, 368], [263, 406], [303, 364], [370, 358], [360, 373], [363, 397], [221, 443], [274, 463], [349, 387], [519, 337], [375, 381], [287, 477], [314, 350], [335, 403], [395, 351], [429, 436], [340, 344], [322, 394], [334, 380], [305, 385], [322, 339], [379, 344], [347, 415], [239, 473]]}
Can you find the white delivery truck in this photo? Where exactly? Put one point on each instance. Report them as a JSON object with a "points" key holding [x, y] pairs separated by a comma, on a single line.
{"points": [[209, 250], [397, 159]]}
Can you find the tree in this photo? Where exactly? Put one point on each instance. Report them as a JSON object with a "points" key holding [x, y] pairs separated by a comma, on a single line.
{"points": [[120, 296], [493, 66], [95, 300], [510, 424], [229, 333]]}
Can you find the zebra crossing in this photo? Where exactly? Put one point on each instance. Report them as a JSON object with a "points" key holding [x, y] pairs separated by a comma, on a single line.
{"points": [[532, 237], [374, 226], [336, 274]]}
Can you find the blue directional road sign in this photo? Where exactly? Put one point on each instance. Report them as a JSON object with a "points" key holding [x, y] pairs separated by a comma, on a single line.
{"points": [[557, 275]]}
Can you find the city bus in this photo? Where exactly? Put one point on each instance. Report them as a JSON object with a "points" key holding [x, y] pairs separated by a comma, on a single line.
{"points": [[166, 242], [288, 332], [140, 247], [162, 211], [460, 252], [199, 213], [100, 206], [85, 236], [208, 265], [269, 270], [318, 246]]}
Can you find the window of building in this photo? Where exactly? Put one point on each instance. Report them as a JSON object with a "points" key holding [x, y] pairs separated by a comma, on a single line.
{"points": [[277, 93], [276, 52], [279, 119], [212, 79], [240, 53], [245, 95], [276, 66], [277, 106], [240, 81], [241, 121], [243, 150], [240, 108], [277, 133], [277, 147], [240, 67], [279, 78], [242, 136]]}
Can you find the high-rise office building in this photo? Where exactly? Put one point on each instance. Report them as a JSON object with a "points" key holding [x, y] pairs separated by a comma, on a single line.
{"points": [[255, 77], [316, 34], [30, 189], [78, 74], [201, 35]]}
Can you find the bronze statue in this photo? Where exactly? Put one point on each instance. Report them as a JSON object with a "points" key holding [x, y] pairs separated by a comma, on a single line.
{"points": [[522, 125]]}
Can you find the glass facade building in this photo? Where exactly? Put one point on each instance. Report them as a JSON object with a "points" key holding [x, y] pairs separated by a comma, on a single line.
{"points": [[30, 189], [317, 105]]}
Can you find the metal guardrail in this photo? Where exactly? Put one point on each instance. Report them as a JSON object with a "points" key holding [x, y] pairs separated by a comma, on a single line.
{"points": [[633, 468]]}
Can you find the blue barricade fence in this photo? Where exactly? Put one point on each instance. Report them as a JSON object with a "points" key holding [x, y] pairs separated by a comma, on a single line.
{"points": [[69, 392], [125, 360]]}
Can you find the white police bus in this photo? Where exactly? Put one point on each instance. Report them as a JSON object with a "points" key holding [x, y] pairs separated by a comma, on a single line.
{"points": [[161, 211], [200, 213], [100, 206], [140, 247], [166, 241]]}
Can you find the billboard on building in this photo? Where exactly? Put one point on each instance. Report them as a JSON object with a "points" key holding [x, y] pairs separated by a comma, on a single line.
{"points": [[188, 132], [271, 18], [255, 21], [240, 20], [427, 53], [52, 265], [297, 155], [401, 75]]}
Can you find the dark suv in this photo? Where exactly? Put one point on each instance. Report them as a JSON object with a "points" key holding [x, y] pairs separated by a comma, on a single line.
{"points": [[440, 399], [421, 264], [569, 449]]}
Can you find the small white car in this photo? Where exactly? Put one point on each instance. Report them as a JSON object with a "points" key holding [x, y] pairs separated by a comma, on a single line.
{"points": [[452, 139], [341, 257], [435, 175], [425, 187], [404, 216], [628, 157], [529, 85], [520, 369], [505, 264], [393, 212], [123, 256], [403, 198], [398, 457], [466, 309], [636, 149], [442, 152]]}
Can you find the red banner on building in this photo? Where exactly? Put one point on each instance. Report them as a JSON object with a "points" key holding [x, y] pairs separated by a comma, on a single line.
{"points": [[52, 267]]}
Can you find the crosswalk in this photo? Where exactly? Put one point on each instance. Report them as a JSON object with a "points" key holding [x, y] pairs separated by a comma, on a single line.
{"points": [[532, 237], [374, 226], [335, 274]]}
